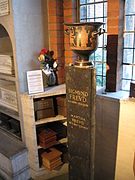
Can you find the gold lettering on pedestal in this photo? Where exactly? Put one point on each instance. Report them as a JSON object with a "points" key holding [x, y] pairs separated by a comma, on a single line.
{"points": [[78, 97], [78, 121]]}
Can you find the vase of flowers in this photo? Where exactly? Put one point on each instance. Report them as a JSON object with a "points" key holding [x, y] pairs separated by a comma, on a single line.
{"points": [[49, 66]]}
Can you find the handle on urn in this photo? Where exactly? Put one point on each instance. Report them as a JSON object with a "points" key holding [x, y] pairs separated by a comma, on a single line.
{"points": [[67, 31], [99, 32]]}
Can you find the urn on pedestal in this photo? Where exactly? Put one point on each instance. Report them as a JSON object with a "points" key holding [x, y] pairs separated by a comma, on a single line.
{"points": [[84, 39]]}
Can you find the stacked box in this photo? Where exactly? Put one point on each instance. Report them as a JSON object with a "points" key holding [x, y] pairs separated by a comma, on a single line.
{"points": [[51, 159], [47, 138], [8, 95], [44, 108], [13, 158], [7, 64], [61, 105], [59, 128]]}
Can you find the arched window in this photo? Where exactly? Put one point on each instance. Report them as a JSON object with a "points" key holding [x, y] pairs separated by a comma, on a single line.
{"points": [[96, 11], [128, 63]]}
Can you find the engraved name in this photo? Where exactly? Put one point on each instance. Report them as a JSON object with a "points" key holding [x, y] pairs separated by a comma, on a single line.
{"points": [[78, 96], [78, 121]]}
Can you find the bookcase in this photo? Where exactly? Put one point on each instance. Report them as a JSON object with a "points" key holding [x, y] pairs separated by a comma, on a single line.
{"points": [[31, 131]]}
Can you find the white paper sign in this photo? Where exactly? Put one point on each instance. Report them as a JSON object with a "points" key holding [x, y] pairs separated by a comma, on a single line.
{"points": [[4, 7], [35, 81]]}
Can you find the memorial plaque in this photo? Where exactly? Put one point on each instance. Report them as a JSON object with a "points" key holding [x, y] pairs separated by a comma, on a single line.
{"points": [[81, 91]]}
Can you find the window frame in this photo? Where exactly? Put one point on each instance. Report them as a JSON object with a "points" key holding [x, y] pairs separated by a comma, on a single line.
{"points": [[127, 64], [103, 60]]}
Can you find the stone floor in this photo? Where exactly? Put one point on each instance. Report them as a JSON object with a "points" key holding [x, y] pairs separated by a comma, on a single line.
{"points": [[63, 177]]}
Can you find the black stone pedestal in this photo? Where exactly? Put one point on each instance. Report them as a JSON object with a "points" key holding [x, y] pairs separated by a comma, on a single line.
{"points": [[81, 92]]}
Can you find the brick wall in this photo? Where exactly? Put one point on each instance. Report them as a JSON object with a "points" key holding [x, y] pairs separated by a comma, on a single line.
{"points": [[56, 35], [65, 11], [60, 11], [70, 15]]}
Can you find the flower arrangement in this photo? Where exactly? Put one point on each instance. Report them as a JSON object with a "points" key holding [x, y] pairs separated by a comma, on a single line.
{"points": [[48, 65]]}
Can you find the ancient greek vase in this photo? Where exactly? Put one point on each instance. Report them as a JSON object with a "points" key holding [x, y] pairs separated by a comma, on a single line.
{"points": [[84, 39]]}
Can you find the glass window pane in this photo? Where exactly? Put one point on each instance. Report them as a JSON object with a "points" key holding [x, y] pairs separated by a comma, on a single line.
{"points": [[98, 0], [105, 39], [90, 1], [104, 69], [127, 71], [126, 85], [130, 7], [100, 41], [105, 25], [134, 57], [98, 54], [90, 11], [99, 80], [98, 67], [99, 10], [105, 9], [99, 20], [134, 73], [96, 11], [104, 55], [82, 20], [92, 57], [128, 40], [104, 81], [129, 23], [91, 20], [82, 1], [128, 56], [83, 12]]}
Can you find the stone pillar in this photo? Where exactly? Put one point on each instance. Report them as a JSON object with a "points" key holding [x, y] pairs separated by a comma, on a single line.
{"points": [[81, 91]]}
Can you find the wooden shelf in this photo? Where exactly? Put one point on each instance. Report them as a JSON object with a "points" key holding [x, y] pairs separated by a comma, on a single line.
{"points": [[61, 141], [9, 112], [49, 91], [59, 169], [7, 77], [51, 119]]}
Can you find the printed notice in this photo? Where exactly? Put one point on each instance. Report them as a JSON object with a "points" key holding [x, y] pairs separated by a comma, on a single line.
{"points": [[35, 81], [4, 7]]}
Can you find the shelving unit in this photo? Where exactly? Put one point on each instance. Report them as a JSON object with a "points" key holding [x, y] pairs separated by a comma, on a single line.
{"points": [[6, 106], [7, 77], [16, 38], [10, 112], [52, 119], [30, 128]]}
